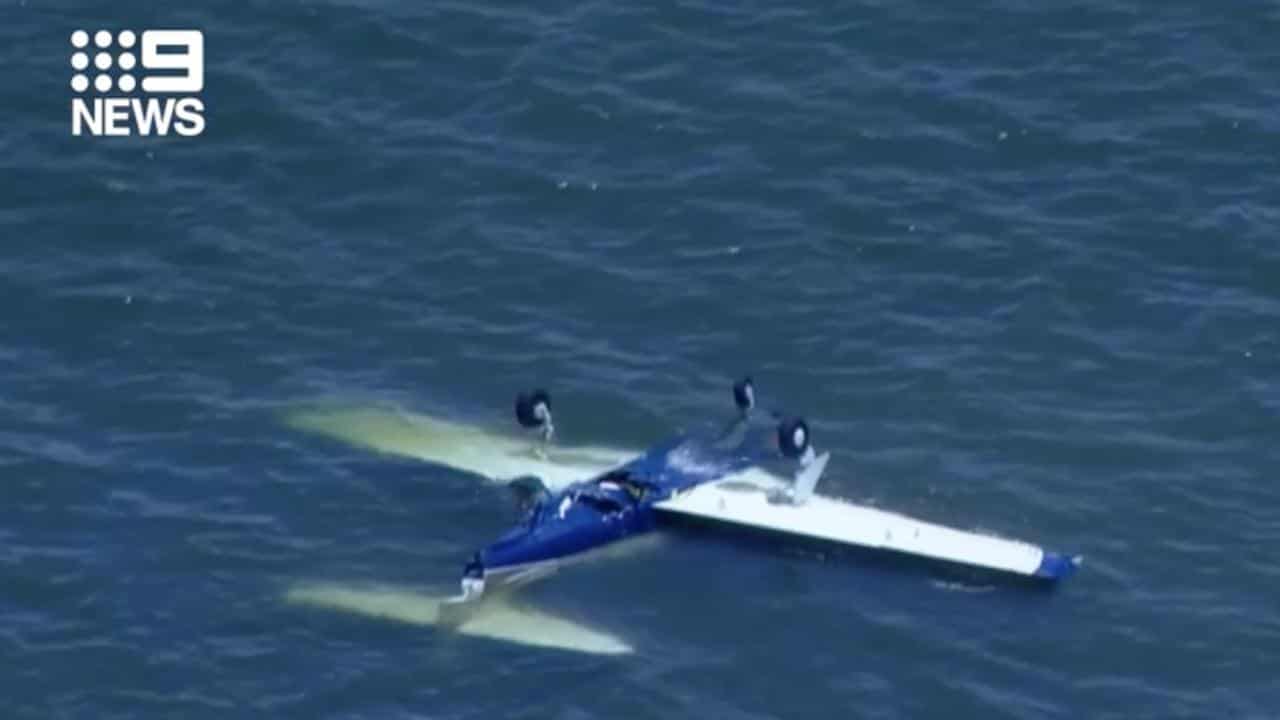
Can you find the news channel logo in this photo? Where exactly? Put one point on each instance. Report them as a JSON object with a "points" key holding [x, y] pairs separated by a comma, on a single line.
{"points": [[144, 84]]}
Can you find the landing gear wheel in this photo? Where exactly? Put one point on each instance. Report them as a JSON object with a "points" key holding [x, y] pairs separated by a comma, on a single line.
{"points": [[533, 409], [793, 438], [744, 395]]}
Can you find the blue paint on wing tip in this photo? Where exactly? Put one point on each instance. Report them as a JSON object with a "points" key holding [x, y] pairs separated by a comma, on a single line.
{"points": [[1056, 566]]}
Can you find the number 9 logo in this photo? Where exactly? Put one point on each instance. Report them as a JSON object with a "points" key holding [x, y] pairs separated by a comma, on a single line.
{"points": [[190, 60]]}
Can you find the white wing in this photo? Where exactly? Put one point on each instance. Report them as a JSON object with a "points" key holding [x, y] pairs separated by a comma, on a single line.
{"points": [[752, 498]]}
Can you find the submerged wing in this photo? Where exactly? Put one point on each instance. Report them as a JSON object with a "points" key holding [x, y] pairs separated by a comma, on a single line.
{"points": [[756, 499], [498, 618], [490, 454]]}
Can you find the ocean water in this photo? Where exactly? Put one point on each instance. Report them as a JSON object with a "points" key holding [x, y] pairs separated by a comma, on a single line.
{"points": [[1017, 262]]}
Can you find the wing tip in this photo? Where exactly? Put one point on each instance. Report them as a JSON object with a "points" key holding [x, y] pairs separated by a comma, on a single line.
{"points": [[1058, 566]]}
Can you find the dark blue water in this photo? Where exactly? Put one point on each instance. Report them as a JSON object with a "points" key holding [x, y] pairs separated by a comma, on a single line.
{"points": [[1016, 261]]}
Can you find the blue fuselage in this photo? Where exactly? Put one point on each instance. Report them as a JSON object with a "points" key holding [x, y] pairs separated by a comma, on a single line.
{"points": [[584, 516], [595, 513]]}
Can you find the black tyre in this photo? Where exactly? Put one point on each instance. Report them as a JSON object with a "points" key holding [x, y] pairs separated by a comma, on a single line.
{"points": [[533, 408], [793, 438]]}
